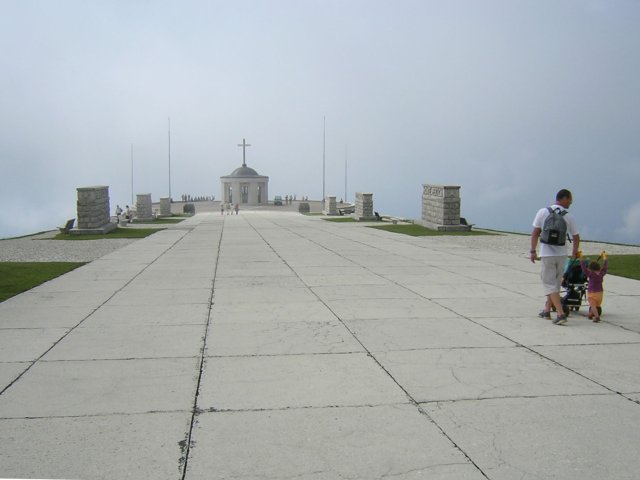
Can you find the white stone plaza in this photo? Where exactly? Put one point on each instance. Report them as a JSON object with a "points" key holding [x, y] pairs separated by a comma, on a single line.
{"points": [[273, 345]]}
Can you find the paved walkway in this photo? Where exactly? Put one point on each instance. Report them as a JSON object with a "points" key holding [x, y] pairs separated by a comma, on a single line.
{"points": [[274, 345]]}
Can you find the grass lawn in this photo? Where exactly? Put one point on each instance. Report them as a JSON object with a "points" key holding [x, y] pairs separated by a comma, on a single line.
{"points": [[623, 266], [420, 231], [120, 232], [18, 277]]}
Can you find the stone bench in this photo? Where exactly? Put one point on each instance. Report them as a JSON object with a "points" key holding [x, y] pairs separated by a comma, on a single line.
{"points": [[387, 218], [68, 226]]}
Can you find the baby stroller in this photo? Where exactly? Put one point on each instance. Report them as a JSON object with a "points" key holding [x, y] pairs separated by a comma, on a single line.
{"points": [[574, 282]]}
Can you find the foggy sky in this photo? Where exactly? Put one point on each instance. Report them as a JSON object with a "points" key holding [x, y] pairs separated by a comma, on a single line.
{"points": [[511, 99]]}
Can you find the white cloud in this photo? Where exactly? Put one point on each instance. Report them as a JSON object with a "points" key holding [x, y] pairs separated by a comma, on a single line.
{"points": [[630, 232]]}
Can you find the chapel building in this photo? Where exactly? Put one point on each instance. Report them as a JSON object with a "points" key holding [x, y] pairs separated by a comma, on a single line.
{"points": [[244, 185]]}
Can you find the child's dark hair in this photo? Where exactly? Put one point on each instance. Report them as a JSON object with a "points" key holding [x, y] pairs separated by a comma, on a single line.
{"points": [[595, 266]]}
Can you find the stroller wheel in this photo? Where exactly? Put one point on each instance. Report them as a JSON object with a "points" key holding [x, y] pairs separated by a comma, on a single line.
{"points": [[566, 310]]}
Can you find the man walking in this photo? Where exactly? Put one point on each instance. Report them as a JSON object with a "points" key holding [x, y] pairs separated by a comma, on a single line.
{"points": [[551, 226]]}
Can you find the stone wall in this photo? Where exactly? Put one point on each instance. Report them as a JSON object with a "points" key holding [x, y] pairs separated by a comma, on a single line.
{"points": [[93, 207], [144, 210], [441, 207]]}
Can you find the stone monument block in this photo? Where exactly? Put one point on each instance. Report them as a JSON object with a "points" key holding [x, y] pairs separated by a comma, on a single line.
{"points": [[144, 209], [93, 210], [165, 206], [364, 207], [441, 208], [330, 206]]}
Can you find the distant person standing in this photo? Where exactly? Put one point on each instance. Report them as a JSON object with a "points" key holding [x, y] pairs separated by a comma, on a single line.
{"points": [[236, 208], [551, 226], [221, 208], [118, 212]]}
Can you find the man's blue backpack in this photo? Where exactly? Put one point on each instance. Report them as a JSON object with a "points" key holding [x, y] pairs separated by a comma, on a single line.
{"points": [[554, 229]]}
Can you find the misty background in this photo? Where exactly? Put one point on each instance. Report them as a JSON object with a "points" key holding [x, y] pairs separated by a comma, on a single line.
{"points": [[510, 99]]}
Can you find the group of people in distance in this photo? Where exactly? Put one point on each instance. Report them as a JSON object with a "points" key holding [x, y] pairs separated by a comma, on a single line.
{"points": [[227, 207], [553, 257], [128, 214]]}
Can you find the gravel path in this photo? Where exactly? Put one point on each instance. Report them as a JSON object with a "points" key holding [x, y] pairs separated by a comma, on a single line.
{"points": [[39, 248], [521, 244]]}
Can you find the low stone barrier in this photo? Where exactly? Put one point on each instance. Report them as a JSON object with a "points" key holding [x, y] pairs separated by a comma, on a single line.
{"points": [[330, 207], [364, 207], [93, 211], [144, 209], [441, 208]]}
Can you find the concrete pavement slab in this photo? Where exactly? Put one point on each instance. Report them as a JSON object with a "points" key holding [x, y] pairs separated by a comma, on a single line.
{"points": [[492, 307], [321, 271], [615, 366], [279, 338], [376, 442], [578, 330], [351, 279], [258, 269], [288, 381], [34, 316], [463, 291], [9, 371], [95, 447], [268, 294], [326, 259], [421, 333], [348, 309], [364, 292], [170, 281], [79, 284], [621, 310], [139, 315], [59, 299], [102, 387], [495, 274], [621, 286], [584, 437], [380, 261], [114, 342], [144, 296], [284, 312], [223, 283], [27, 344], [472, 373]]}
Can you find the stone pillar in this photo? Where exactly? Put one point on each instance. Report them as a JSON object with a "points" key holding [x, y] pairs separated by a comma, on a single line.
{"points": [[165, 206], [144, 210], [364, 206], [330, 206], [441, 208], [93, 210]]}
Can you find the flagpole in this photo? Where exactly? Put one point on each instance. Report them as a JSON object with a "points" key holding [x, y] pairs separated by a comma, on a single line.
{"points": [[323, 160], [170, 160], [132, 174], [346, 153]]}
